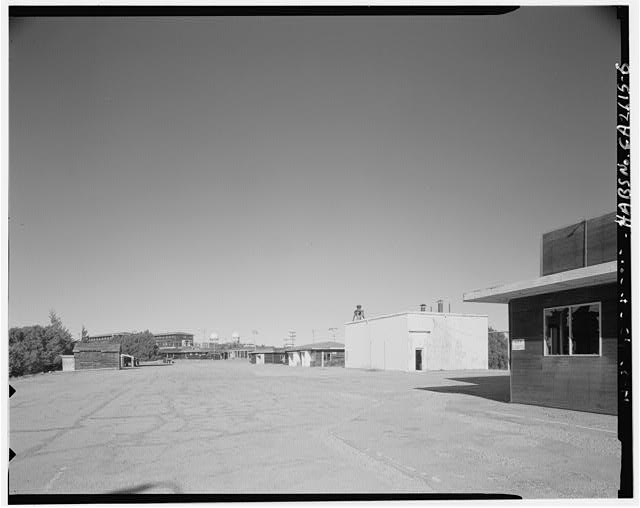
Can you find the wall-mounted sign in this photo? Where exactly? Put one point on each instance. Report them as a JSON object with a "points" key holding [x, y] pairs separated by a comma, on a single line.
{"points": [[517, 344]]}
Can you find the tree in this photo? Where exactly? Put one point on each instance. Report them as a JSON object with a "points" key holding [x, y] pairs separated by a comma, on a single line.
{"points": [[142, 345], [34, 349], [498, 350]]}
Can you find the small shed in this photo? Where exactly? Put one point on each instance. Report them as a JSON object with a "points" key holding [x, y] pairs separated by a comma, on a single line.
{"points": [[96, 355], [318, 354], [415, 341]]}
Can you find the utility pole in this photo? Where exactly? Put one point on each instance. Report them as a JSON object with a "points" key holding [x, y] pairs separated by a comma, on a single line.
{"points": [[333, 333], [291, 338]]}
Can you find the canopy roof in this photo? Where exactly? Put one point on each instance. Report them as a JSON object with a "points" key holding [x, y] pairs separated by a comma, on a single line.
{"points": [[603, 273]]}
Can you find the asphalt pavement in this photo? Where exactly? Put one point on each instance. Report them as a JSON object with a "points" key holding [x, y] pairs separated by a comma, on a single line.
{"points": [[204, 426]]}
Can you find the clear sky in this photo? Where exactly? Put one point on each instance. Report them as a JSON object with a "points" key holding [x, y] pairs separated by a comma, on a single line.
{"points": [[270, 173]]}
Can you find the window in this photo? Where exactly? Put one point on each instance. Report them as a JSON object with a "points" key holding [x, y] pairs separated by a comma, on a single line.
{"points": [[327, 357], [572, 330]]}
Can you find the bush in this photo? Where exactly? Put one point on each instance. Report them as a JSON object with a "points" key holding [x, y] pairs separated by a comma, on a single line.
{"points": [[34, 349], [498, 350]]}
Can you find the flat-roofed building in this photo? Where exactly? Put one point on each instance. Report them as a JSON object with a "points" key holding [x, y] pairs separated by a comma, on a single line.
{"points": [[105, 337], [415, 341], [562, 324]]}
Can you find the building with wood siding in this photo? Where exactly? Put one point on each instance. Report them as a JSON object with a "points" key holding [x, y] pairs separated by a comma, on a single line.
{"points": [[96, 355], [415, 341], [563, 334]]}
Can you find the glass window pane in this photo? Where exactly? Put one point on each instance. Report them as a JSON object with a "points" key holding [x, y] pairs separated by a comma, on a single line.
{"points": [[585, 328], [556, 331]]}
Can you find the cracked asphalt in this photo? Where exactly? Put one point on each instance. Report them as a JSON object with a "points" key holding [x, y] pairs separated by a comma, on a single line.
{"points": [[231, 427]]}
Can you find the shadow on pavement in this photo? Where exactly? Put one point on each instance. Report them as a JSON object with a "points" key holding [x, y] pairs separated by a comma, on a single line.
{"points": [[169, 487], [488, 387]]}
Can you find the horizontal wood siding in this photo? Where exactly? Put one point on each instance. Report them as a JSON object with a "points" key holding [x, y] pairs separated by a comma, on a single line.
{"points": [[97, 360], [580, 383]]}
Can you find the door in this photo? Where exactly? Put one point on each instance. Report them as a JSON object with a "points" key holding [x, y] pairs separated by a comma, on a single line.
{"points": [[418, 359]]}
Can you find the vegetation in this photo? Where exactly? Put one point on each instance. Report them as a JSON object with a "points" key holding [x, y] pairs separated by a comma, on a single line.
{"points": [[34, 349], [498, 350], [142, 345]]}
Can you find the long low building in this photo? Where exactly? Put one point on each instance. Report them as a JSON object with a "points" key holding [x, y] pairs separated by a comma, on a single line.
{"points": [[163, 340], [188, 353], [415, 341], [318, 354]]}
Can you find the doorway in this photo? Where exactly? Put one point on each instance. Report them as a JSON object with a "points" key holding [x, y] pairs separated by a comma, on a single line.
{"points": [[418, 359]]}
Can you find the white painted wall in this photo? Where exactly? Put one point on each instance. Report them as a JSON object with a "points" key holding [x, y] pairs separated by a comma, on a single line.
{"points": [[68, 362], [449, 342], [294, 358], [457, 342], [299, 358], [377, 344]]}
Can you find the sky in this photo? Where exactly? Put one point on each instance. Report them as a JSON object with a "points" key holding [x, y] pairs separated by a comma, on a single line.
{"points": [[224, 174]]}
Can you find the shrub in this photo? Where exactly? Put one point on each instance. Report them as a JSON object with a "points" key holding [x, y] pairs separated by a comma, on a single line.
{"points": [[34, 349], [498, 350]]}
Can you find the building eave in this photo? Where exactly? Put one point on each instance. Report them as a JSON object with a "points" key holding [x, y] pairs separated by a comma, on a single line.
{"points": [[603, 273]]}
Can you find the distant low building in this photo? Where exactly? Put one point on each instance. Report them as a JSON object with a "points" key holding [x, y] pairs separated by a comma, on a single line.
{"points": [[173, 339], [318, 354], [188, 353], [163, 340], [264, 355], [105, 337]]}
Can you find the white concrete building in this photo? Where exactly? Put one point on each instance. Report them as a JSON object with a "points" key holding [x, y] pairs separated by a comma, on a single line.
{"points": [[411, 341]]}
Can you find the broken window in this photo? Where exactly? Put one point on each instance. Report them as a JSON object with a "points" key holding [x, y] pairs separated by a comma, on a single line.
{"points": [[572, 330]]}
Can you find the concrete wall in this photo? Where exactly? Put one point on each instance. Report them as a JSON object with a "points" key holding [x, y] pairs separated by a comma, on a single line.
{"points": [[457, 342], [378, 343], [448, 342]]}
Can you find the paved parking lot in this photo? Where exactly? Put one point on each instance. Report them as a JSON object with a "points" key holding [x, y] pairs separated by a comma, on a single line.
{"points": [[231, 427]]}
